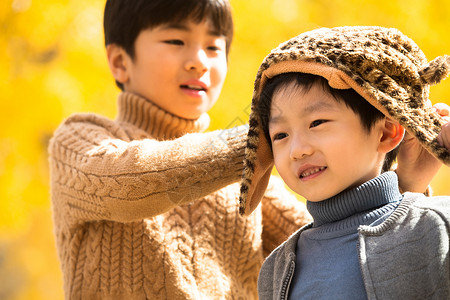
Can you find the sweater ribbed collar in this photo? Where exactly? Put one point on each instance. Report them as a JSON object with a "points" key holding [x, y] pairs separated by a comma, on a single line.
{"points": [[159, 123], [370, 195]]}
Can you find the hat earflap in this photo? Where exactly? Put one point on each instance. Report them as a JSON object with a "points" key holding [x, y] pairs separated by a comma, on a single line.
{"points": [[258, 164], [436, 70]]}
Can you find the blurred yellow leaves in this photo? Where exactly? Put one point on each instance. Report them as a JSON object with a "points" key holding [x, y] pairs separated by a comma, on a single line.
{"points": [[51, 53], [52, 64]]}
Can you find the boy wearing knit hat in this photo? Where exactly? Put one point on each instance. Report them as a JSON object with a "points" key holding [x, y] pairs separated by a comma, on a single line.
{"points": [[146, 206], [330, 108]]}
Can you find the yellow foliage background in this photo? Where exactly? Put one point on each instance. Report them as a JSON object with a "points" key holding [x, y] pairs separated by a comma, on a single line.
{"points": [[52, 64]]}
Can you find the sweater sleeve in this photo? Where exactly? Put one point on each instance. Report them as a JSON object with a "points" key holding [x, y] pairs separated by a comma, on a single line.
{"points": [[98, 173], [282, 215]]}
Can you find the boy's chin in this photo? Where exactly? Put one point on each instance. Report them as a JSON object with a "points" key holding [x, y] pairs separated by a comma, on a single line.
{"points": [[316, 199], [193, 112], [188, 115], [321, 197]]}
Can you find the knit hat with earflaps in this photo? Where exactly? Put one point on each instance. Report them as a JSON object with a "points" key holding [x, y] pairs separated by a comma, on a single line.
{"points": [[383, 65]]}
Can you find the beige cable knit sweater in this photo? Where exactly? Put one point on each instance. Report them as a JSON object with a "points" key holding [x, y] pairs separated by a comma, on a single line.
{"points": [[126, 223]]}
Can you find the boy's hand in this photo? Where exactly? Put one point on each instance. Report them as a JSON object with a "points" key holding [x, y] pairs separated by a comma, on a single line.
{"points": [[416, 166], [444, 136]]}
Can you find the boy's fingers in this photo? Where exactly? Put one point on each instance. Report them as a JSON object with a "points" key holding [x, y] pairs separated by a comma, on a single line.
{"points": [[444, 139], [443, 142], [442, 108]]}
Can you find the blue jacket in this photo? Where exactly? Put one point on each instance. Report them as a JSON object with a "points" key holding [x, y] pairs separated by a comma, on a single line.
{"points": [[405, 257]]}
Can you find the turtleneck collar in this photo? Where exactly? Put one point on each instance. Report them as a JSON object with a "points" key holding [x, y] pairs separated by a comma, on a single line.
{"points": [[159, 123], [372, 194]]}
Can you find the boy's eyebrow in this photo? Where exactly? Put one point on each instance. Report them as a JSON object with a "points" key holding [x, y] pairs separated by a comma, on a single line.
{"points": [[276, 119], [183, 27], [318, 106], [175, 26], [313, 107]]}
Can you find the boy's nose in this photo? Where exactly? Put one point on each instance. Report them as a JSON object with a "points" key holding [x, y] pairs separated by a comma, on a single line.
{"points": [[300, 149], [197, 60]]}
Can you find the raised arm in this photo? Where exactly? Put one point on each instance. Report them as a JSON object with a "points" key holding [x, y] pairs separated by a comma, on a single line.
{"points": [[416, 166], [97, 173], [444, 135]]}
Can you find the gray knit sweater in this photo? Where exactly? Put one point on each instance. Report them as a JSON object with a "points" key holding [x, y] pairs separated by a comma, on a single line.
{"points": [[404, 257]]}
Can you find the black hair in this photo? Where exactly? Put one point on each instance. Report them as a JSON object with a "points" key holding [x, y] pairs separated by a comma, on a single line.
{"points": [[367, 113], [125, 19]]}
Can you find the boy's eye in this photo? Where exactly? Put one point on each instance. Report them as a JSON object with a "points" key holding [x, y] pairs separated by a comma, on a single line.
{"points": [[316, 123], [279, 136], [214, 48], [174, 42]]}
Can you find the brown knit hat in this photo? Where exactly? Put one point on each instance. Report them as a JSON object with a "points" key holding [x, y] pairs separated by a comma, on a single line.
{"points": [[383, 65]]}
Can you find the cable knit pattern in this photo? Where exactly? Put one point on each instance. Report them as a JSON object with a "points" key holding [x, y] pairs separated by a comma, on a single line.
{"points": [[126, 225]]}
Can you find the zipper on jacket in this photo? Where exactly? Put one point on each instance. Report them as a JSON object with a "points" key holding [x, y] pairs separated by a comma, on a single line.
{"points": [[287, 281], [358, 248]]}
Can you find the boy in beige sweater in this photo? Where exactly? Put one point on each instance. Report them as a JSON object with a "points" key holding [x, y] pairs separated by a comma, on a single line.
{"points": [[146, 206]]}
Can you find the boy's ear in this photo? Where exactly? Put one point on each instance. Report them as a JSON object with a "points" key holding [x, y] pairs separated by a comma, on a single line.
{"points": [[393, 134], [117, 60]]}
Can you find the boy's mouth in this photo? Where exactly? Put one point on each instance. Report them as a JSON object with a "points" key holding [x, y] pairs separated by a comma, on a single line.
{"points": [[311, 171], [193, 87]]}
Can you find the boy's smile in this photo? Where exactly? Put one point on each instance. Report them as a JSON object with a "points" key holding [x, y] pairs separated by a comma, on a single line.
{"points": [[179, 67], [308, 172], [195, 88], [320, 147]]}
